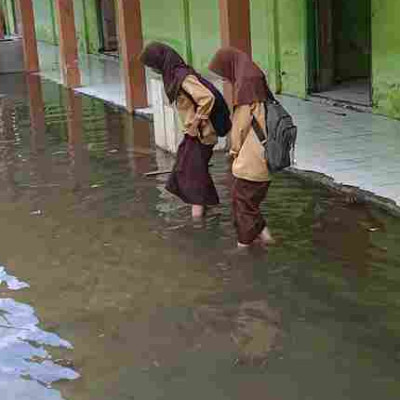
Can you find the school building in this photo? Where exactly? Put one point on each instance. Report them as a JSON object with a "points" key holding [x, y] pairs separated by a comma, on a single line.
{"points": [[346, 50]]}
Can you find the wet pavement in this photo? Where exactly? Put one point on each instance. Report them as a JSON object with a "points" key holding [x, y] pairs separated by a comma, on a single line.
{"points": [[109, 291]]}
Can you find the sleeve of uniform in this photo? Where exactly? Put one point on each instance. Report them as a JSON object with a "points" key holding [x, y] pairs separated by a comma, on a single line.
{"points": [[203, 98], [241, 124]]}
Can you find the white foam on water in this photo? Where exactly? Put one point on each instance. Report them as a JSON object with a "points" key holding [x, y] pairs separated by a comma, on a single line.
{"points": [[12, 282], [27, 369]]}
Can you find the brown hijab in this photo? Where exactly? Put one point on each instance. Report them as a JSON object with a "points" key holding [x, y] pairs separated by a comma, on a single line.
{"points": [[249, 82], [167, 62]]}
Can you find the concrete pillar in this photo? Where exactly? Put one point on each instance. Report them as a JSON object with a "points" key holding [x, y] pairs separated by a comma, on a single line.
{"points": [[235, 29], [27, 29], [68, 43], [131, 44]]}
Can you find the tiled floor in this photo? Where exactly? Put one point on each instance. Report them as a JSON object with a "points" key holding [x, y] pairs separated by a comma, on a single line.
{"points": [[358, 149], [100, 74], [354, 148]]}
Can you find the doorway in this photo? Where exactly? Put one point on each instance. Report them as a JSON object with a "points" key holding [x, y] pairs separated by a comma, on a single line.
{"points": [[340, 50], [107, 27]]}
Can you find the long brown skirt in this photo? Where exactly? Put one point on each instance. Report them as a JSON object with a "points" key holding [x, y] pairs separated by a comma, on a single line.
{"points": [[190, 179], [246, 199]]}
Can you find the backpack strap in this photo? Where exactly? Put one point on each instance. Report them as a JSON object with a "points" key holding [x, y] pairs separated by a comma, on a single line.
{"points": [[270, 97], [262, 137]]}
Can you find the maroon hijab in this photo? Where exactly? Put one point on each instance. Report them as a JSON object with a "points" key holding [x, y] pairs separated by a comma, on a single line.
{"points": [[249, 82], [167, 62]]}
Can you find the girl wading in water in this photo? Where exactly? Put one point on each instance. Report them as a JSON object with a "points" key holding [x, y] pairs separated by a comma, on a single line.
{"points": [[190, 179], [251, 179]]}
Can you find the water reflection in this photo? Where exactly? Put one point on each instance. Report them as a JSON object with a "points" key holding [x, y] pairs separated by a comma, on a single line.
{"points": [[7, 146], [27, 368], [158, 308]]}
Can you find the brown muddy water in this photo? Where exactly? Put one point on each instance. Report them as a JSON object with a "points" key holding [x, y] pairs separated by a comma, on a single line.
{"points": [[109, 291]]}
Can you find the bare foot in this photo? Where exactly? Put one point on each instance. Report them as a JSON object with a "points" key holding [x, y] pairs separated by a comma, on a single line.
{"points": [[265, 237], [197, 211]]}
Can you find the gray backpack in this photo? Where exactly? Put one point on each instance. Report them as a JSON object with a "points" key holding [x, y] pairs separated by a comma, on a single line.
{"points": [[279, 142]]}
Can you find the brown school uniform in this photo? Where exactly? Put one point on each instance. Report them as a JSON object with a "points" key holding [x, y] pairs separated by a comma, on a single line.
{"points": [[192, 89], [190, 179], [250, 171], [249, 162], [249, 168]]}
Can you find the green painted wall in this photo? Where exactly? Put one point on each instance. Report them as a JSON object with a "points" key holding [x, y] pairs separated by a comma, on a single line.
{"points": [[273, 49], [259, 32], [279, 38], [44, 22], [386, 57], [292, 39], [204, 29], [81, 25], [8, 15], [92, 29], [165, 21]]}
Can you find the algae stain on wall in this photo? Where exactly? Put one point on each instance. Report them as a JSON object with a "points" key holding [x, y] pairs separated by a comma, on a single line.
{"points": [[80, 25], [386, 57], [92, 30], [45, 24]]}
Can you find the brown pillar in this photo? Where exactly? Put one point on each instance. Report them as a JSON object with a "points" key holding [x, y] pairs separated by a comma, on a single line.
{"points": [[131, 45], [74, 119], [235, 29], [27, 21], [40, 162], [77, 148], [68, 43], [235, 24]]}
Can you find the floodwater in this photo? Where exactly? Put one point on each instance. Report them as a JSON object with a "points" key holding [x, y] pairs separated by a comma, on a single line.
{"points": [[109, 291]]}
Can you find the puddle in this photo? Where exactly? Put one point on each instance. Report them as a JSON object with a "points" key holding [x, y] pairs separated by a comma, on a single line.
{"points": [[157, 307]]}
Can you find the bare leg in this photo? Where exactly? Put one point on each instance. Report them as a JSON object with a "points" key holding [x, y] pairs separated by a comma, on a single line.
{"points": [[197, 211], [265, 237]]}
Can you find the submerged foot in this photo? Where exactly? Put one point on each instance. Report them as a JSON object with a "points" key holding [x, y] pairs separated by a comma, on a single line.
{"points": [[197, 212], [265, 238]]}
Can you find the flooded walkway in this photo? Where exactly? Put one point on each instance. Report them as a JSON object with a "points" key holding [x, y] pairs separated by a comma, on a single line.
{"points": [[132, 300], [353, 148]]}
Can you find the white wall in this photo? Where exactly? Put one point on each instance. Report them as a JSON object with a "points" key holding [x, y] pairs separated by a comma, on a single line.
{"points": [[167, 125]]}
